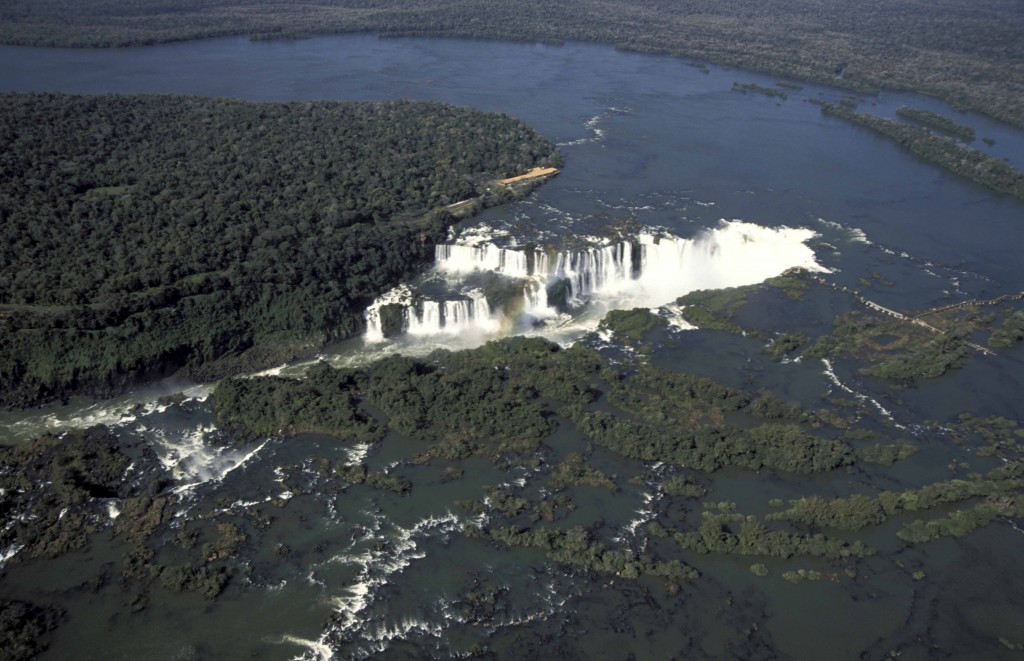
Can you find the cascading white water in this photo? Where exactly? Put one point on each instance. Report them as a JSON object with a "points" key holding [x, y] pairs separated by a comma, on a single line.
{"points": [[400, 295], [427, 321], [594, 271], [430, 317], [648, 271], [451, 317], [535, 294], [454, 258], [733, 255]]}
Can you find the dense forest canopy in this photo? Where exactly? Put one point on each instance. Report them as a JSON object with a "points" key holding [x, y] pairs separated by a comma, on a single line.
{"points": [[969, 53], [941, 150], [145, 232], [505, 397]]}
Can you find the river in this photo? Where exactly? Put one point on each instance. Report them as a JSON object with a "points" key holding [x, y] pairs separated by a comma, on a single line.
{"points": [[666, 145]]}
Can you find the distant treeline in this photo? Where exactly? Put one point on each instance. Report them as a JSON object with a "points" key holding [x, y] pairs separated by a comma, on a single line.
{"points": [[966, 53], [972, 164], [142, 234]]}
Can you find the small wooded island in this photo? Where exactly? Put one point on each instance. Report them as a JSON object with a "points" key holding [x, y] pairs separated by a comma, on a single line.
{"points": [[144, 234], [966, 53], [945, 152]]}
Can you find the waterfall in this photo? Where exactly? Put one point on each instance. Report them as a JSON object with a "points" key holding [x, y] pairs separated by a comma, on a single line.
{"points": [[535, 293], [596, 270], [422, 316], [454, 258], [650, 270]]}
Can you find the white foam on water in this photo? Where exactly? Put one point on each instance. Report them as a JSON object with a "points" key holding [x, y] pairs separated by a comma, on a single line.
{"points": [[853, 234], [645, 513], [591, 125], [649, 270], [313, 580], [439, 616], [193, 460], [357, 453], [273, 371], [858, 236], [673, 314], [111, 414], [831, 374], [9, 552], [240, 504], [477, 234], [377, 564], [116, 413], [379, 637], [318, 650], [468, 313]]}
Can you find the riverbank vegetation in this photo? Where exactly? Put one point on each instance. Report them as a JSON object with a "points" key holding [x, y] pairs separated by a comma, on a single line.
{"points": [[508, 397], [1009, 332], [945, 152], [904, 349], [25, 628], [714, 308], [142, 234], [751, 537], [896, 350], [630, 326], [760, 89], [967, 55], [936, 121], [612, 468], [503, 398], [860, 511], [576, 547], [60, 484]]}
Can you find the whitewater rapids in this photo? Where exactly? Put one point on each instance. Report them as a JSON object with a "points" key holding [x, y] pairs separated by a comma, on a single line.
{"points": [[650, 270]]}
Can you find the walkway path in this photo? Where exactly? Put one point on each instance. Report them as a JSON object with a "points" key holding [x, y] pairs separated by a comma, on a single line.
{"points": [[916, 319]]}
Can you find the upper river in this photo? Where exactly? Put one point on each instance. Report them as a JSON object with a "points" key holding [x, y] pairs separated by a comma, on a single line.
{"points": [[655, 141]]}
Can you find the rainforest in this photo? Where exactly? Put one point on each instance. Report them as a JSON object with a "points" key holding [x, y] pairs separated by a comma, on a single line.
{"points": [[148, 234], [288, 372]]}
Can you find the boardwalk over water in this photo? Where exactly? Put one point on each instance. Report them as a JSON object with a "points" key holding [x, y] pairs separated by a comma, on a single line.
{"points": [[973, 303], [917, 320]]}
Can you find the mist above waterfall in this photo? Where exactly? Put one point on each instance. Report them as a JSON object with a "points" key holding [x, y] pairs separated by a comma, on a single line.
{"points": [[553, 287]]}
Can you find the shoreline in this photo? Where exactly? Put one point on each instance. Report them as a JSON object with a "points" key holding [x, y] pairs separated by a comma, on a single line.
{"points": [[785, 45]]}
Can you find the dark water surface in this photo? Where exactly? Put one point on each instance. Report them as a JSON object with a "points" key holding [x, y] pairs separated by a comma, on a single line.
{"points": [[669, 145]]}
